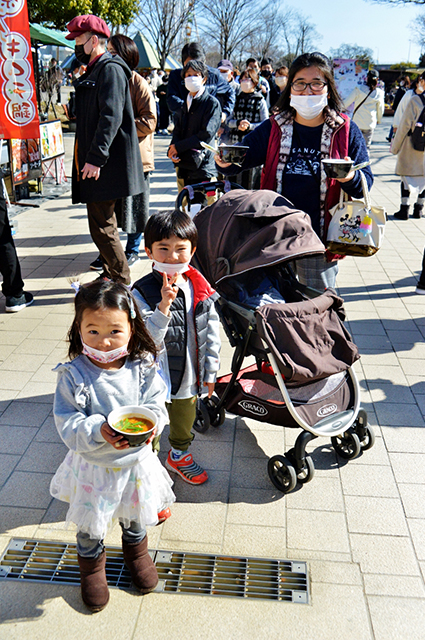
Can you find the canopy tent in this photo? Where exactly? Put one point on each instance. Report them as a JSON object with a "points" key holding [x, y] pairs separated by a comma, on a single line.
{"points": [[49, 36], [171, 63], [44, 36], [148, 56]]}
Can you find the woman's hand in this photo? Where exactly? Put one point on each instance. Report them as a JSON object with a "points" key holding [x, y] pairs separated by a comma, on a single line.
{"points": [[243, 125], [350, 176], [220, 162], [169, 292], [151, 437], [116, 440], [210, 386], [172, 153]]}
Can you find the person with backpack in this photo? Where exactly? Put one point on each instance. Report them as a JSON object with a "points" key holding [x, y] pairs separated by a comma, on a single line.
{"points": [[369, 105], [409, 145]]}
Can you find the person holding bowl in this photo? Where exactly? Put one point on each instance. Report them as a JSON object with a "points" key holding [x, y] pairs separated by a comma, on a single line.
{"points": [[308, 127]]}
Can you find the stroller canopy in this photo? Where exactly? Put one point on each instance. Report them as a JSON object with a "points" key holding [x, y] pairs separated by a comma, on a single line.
{"points": [[247, 230]]}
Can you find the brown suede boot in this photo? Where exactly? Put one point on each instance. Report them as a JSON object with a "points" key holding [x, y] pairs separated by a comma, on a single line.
{"points": [[94, 587], [140, 564]]}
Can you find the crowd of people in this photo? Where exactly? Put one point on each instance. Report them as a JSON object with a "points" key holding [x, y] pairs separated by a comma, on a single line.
{"points": [[289, 120]]}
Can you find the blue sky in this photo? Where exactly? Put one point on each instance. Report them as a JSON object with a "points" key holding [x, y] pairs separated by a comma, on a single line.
{"points": [[381, 27]]}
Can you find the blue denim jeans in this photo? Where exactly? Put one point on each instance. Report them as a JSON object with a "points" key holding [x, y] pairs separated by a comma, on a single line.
{"points": [[92, 547], [133, 243]]}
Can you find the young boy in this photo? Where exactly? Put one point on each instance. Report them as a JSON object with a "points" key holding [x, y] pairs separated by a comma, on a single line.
{"points": [[177, 304], [197, 121]]}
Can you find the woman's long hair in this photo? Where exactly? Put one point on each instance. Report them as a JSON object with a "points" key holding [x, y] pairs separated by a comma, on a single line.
{"points": [[106, 294], [323, 63]]}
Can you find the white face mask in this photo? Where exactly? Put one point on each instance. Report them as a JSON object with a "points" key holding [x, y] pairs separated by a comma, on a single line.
{"points": [[246, 85], [280, 81], [193, 83], [171, 269], [225, 75], [309, 107], [105, 357]]}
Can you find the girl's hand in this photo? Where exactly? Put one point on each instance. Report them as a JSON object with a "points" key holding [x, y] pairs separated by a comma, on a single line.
{"points": [[172, 153], [149, 440], [243, 125], [350, 176], [169, 292], [220, 162], [116, 440], [210, 386]]}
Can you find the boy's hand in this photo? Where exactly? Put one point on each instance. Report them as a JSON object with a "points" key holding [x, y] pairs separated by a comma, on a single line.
{"points": [[116, 440], [210, 386], [173, 153], [169, 292]]}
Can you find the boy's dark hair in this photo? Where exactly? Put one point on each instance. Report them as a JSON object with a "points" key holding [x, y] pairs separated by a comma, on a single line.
{"points": [[251, 60], [164, 224], [265, 61], [196, 65], [106, 294], [193, 50], [126, 48]]}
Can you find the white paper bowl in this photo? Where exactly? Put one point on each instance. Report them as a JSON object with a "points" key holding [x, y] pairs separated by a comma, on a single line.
{"points": [[134, 439]]}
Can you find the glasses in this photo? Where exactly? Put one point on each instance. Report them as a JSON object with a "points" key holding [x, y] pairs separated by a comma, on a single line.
{"points": [[316, 85]]}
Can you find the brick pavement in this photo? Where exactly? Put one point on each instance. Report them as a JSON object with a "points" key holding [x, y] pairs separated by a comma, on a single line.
{"points": [[360, 526]]}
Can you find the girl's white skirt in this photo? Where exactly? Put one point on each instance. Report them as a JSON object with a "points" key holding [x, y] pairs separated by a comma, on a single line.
{"points": [[99, 496]]}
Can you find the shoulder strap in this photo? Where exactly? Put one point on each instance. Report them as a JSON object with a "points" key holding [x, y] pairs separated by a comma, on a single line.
{"points": [[362, 102]]}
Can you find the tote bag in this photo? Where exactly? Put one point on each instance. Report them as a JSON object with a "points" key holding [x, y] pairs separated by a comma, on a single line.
{"points": [[356, 227]]}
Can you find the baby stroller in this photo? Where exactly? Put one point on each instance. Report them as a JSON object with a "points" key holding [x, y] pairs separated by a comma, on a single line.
{"points": [[303, 374]]}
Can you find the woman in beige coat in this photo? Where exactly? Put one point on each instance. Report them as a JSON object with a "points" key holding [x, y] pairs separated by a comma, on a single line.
{"points": [[133, 212], [410, 163]]}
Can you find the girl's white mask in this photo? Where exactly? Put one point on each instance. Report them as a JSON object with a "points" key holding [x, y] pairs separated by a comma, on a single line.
{"points": [[309, 107], [105, 357], [193, 83], [171, 269], [281, 81], [246, 85]]}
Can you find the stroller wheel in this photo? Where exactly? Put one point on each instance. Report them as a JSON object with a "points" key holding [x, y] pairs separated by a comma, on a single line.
{"points": [[282, 473], [217, 419], [307, 473], [202, 420], [369, 439], [347, 445]]}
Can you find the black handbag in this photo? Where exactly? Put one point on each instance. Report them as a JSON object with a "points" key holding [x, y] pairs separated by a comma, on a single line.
{"points": [[192, 159]]}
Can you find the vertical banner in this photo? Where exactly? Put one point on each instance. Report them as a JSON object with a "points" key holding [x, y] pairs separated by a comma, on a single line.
{"points": [[18, 106]]}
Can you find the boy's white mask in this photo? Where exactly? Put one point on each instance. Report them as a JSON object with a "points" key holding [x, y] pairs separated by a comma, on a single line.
{"points": [[171, 269]]}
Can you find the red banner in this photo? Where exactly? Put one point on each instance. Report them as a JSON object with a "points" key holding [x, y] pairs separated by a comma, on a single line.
{"points": [[18, 103]]}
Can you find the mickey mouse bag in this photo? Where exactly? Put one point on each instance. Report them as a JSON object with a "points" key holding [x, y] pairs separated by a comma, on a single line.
{"points": [[356, 228]]}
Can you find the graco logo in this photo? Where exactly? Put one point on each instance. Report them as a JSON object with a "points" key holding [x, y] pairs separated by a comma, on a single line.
{"points": [[252, 407], [327, 410]]}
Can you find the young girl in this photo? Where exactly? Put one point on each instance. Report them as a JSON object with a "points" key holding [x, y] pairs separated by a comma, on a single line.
{"points": [[112, 364]]}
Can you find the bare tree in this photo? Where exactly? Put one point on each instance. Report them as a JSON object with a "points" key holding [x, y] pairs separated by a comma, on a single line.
{"points": [[301, 36], [164, 21], [229, 23], [352, 52]]}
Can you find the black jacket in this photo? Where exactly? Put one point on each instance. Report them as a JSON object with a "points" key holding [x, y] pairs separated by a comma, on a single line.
{"points": [[217, 87], [106, 134], [192, 126]]}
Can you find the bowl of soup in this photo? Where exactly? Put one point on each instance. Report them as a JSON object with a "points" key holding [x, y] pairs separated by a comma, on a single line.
{"points": [[337, 167], [233, 153], [135, 423]]}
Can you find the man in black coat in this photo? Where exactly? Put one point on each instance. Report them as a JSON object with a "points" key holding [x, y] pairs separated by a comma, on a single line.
{"points": [[107, 163], [216, 85]]}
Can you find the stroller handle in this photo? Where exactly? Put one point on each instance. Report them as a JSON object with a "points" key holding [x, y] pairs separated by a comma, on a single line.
{"points": [[203, 187]]}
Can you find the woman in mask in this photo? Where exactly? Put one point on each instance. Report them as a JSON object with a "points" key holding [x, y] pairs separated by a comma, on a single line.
{"points": [[249, 112], [198, 120], [308, 126]]}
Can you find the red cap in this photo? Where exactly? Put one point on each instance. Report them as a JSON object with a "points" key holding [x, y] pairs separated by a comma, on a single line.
{"points": [[84, 24]]}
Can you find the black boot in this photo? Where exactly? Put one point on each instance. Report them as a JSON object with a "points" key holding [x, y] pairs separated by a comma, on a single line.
{"points": [[417, 210], [403, 214]]}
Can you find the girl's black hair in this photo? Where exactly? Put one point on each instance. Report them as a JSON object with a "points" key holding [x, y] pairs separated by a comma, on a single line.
{"points": [[196, 65], [323, 63], [126, 48], [164, 224], [372, 79], [106, 294]]}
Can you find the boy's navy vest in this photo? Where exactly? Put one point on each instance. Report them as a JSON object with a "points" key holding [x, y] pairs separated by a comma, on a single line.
{"points": [[176, 337]]}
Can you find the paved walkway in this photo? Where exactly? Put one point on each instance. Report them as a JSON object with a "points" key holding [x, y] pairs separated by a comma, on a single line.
{"points": [[360, 526]]}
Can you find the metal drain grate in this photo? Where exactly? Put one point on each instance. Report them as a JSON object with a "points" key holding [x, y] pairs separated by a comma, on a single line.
{"points": [[179, 572]]}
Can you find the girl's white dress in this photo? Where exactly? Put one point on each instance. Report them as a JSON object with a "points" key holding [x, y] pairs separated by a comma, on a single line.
{"points": [[101, 484]]}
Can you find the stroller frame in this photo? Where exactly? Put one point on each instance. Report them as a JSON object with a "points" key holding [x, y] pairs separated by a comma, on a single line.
{"points": [[348, 430]]}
